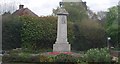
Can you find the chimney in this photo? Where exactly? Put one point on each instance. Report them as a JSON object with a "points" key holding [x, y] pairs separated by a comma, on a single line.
{"points": [[21, 6]]}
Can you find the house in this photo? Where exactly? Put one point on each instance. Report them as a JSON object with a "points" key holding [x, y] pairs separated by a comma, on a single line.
{"points": [[24, 12]]}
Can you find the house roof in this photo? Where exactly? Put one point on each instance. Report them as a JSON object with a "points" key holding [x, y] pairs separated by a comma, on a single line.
{"points": [[24, 12]]}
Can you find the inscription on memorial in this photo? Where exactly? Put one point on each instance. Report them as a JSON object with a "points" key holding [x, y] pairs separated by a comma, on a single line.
{"points": [[63, 20]]}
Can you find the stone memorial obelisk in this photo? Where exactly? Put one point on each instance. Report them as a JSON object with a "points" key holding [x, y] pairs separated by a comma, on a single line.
{"points": [[61, 44]]}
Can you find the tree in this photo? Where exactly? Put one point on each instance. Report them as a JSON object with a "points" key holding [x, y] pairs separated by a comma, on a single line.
{"points": [[112, 25], [89, 34], [101, 15], [11, 32], [77, 11], [7, 7]]}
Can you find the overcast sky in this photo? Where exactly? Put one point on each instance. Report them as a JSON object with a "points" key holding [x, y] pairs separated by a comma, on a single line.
{"points": [[44, 7]]}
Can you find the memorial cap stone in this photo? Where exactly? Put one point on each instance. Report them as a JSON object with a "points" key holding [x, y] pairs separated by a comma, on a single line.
{"points": [[62, 11]]}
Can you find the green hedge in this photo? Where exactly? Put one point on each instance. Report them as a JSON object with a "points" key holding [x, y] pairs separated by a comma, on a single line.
{"points": [[38, 32]]}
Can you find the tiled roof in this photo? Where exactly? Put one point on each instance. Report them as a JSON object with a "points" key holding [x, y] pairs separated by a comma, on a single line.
{"points": [[23, 12]]}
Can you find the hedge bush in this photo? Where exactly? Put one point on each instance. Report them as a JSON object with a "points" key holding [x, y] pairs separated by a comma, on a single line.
{"points": [[38, 32], [98, 55]]}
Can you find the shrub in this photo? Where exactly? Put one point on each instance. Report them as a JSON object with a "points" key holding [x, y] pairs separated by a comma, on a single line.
{"points": [[14, 51], [58, 58], [8, 58], [65, 58], [20, 58], [34, 59], [51, 58], [44, 58], [97, 55], [81, 60], [119, 60]]}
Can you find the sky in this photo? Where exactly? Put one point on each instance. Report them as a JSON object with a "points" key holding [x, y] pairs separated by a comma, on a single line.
{"points": [[44, 7]]}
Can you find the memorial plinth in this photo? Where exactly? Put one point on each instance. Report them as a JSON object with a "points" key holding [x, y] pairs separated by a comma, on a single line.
{"points": [[62, 44]]}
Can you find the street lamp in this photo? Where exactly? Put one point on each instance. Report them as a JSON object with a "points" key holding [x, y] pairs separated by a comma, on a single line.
{"points": [[108, 42]]}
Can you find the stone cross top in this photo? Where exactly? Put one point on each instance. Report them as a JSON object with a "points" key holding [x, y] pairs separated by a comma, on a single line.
{"points": [[61, 44]]}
